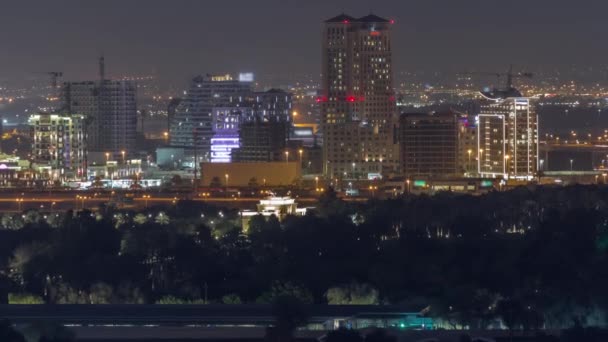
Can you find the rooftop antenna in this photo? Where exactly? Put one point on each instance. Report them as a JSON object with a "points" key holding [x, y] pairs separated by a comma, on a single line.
{"points": [[102, 68], [510, 77]]}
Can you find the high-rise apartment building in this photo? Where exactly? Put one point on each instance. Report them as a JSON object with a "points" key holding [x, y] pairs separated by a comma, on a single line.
{"points": [[59, 141], [226, 123], [261, 141], [507, 136], [111, 110], [430, 144], [192, 125], [273, 105], [357, 98]]}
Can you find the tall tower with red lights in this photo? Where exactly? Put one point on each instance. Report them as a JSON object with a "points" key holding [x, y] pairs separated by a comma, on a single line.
{"points": [[357, 99]]}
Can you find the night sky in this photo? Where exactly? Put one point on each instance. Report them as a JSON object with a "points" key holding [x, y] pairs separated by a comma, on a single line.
{"points": [[175, 39]]}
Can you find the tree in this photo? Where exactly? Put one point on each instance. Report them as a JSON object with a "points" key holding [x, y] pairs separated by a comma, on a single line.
{"points": [[353, 294], [119, 220], [140, 219], [62, 293], [289, 313], [172, 300], [24, 298], [32, 216], [231, 298], [162, 219], [12, 222], [101, 293], [511, 312], [288, 289]]}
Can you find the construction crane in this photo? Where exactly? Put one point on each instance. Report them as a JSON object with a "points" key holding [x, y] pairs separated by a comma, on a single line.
{"points": [[509, 74], [54, 76]]}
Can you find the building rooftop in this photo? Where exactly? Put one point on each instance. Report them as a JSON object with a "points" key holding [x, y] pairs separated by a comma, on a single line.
{"points": [[341, 18], [275, 91], [372, 18]]}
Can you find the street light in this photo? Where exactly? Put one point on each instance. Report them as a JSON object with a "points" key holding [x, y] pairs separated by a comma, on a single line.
{"points": [[146, 198], [316, 182], [166, 135], [286, 156], [408, 185], [107, 157], [354, 165], [19, 201], [571, 163], [123, 156], [81, 198], [469, 152], [226, 176], [507, 163], [300, 151]]}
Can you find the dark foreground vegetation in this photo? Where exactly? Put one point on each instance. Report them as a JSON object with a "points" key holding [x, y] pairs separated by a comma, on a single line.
{"points": [[525, 259]]}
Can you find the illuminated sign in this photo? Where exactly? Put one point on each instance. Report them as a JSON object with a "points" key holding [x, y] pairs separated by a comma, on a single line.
{"points": [[246, 77], [419, 183], [486, 183], [219, 78], [221, 149], [372, 176]]}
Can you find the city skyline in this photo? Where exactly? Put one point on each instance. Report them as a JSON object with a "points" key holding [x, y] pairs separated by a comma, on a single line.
{"points": [[179, 40]]}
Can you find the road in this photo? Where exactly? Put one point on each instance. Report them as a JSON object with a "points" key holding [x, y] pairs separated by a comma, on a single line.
{"points": [[63, 200]]}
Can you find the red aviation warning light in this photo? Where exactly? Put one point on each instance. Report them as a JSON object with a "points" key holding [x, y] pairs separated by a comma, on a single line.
{"points": [[392, 21], [351, 99], [345, 21], [321, 99]]}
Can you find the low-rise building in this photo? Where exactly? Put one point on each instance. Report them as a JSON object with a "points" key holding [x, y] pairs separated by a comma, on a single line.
{"points": [[277, 206], [241, 174]]}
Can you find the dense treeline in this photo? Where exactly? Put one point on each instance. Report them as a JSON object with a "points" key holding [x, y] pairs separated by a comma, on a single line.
{"points": [[532, 257]]}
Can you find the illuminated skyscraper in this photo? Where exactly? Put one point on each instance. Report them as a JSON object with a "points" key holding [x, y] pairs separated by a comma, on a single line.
{"points": [[357, 98], [508, 136]]}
